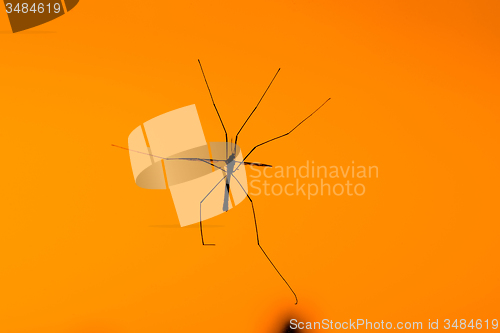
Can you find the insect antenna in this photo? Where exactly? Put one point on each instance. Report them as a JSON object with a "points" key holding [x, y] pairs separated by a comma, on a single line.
{"points": [[204, 160], [236, 140], [210, 92]]}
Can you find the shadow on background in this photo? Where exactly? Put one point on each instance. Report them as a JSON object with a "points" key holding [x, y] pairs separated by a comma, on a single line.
{"points": [[28, 32], [189, 226]]}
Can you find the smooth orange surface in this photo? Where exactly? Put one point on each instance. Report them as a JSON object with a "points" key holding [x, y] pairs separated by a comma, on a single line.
{"points": [[414, 87]]}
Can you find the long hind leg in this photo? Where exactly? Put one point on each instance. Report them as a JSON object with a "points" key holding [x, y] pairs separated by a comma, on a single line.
{"points": [[201, 224], [258, 241]]}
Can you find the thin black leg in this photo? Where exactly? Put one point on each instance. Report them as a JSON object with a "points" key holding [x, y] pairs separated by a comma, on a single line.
{"points": [[263, 143], [258, 241], [201, 224], [260, 100], [213, 102]]}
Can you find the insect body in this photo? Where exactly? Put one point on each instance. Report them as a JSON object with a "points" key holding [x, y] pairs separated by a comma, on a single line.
{"points": [[230, 167]]}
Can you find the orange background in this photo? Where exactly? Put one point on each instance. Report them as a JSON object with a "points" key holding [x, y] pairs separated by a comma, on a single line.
{"points": [[414, 87]]}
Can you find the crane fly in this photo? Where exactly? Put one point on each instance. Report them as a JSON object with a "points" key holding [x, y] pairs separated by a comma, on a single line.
{"points": [[229, 164]]}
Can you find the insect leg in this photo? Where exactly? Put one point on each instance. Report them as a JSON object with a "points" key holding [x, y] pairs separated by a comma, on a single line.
{"points": [[258, 242], [210, 92], [286, 133], [201, 225], [236, 140]]}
